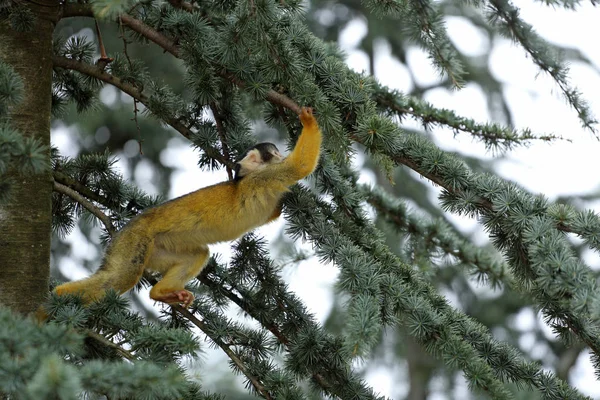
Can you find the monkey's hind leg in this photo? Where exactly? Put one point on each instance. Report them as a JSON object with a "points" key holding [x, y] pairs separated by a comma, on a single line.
{"points": [[177, 270], [122, 269]]}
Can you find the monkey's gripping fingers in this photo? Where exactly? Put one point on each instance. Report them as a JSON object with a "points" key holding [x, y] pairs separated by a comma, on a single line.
{"points": [[306, 117], [182, 297]]}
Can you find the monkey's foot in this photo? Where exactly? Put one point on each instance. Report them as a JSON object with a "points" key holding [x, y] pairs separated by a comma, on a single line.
{"points": [[306, 116], [182, 297]]}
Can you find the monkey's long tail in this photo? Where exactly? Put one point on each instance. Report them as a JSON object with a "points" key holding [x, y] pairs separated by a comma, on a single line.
{"points": [[90, 289], [122, 268]]}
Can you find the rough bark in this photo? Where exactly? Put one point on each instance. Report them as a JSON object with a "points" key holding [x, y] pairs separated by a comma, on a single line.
{"points": [[25, 221]]}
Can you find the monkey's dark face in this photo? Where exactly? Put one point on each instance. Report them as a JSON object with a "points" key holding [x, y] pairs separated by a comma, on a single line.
{"points": [[257, 157]]}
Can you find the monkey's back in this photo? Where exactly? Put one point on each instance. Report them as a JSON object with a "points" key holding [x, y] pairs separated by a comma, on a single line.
{"points": [[217, 213]]}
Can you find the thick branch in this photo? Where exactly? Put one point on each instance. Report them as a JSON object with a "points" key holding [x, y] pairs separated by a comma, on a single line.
{"points": [[58, 187]]}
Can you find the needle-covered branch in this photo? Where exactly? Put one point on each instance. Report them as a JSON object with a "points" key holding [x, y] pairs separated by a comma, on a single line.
{"points": [[505, 15], [82, 189], [247, 52], [58, 187], [239, 364], [430, 162], [98, 73], [494, 136], [281, 313], [437, 236]]}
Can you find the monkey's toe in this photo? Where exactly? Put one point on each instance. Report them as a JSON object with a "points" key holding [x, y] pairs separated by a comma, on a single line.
{"points": [[182, 297]]}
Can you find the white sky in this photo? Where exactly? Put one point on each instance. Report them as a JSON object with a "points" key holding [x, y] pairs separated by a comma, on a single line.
{"points": [[553, 169]]}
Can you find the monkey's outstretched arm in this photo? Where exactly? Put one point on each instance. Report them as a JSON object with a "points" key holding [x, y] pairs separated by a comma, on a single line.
{"points": [[300, 163], [305, 156]]}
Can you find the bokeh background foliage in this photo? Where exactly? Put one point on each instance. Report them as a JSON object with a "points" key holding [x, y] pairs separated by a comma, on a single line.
{"points": [[415, 298]]}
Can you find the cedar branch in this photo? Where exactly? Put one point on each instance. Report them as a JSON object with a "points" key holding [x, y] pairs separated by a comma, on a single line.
{"points": [[230, 353], [59, 187], [134, 92]]}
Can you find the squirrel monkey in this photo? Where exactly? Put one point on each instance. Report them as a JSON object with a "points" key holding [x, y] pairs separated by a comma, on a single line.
{"points": [[173, 238]]}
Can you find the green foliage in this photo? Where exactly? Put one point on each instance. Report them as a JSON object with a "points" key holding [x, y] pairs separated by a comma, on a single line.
{"points": [[26, 153], [96, 175], [423, 20], [427, 238], [506, 17], [54, 361], [68, 86], [231, 55], [493, 135]]}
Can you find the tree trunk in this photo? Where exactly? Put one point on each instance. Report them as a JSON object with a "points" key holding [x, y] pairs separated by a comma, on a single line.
{"points": [[25, 221], [420, 369]]}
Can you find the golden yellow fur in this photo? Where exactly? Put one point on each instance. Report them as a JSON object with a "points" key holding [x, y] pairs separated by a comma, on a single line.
{"points": [[172, 238]]}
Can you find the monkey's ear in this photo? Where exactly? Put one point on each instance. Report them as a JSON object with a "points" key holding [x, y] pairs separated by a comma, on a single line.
{"points": [[251, 161], [252, 157]]}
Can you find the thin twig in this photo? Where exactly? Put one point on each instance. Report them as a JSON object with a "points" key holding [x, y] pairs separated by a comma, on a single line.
{"points": [[59, 187], [135, 101], [222, 136], [230, 353]]}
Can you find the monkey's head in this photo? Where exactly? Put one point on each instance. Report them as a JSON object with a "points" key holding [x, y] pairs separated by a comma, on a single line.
{"points": [[257, 157]]}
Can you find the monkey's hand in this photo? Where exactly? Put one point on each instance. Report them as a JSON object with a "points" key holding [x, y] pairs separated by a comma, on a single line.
{"points": [[306, 117], [182, 297]]}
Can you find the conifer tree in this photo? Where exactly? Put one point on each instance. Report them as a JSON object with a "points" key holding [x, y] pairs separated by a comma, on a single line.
{"points": [[225, 67]]}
